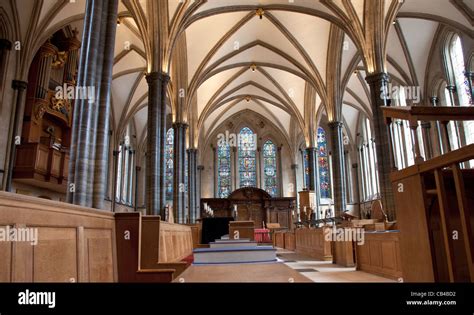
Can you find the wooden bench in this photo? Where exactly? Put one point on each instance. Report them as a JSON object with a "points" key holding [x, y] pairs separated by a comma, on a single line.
{"points": [[150, 250]]}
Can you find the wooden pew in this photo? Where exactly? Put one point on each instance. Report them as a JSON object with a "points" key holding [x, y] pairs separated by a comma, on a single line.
{"points": [[75, 244], [150, 250], [311, 242], [380, 254]]}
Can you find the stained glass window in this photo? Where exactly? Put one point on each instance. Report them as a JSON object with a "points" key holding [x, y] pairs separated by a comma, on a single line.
{"points": [[270, 168], [306, 168], [323, 163], [169, 167], [224, 176], [247, 158]]}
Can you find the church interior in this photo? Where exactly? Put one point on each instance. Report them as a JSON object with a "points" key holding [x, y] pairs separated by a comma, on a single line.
{"points": [[166, 141]]}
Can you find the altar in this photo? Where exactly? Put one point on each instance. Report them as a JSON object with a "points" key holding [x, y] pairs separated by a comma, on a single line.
{"points": [[252, 204]]}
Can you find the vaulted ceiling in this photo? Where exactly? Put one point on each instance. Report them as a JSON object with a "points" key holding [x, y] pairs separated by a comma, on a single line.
{"points": [[237, 60]]}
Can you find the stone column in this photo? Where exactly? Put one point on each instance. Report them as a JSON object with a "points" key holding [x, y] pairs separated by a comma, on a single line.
{"points": [[280, 172], [179, 161], [339, 170], [192, 185], [312, 166], [200, 168], [260, 174], [115, 177], [379, 97], [156, 134], [104, 111], [470, 77], [5, 47], [236, 168], [214, 171], [294, 167], [90, 130], [83, 129], [20, 88], [135, 195]]}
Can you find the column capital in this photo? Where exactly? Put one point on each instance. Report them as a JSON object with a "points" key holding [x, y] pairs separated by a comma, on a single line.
{"points": [[434, 100], [200, 167], [469, 74], [5, 44], [377, 77], [19, 85], [294, 166], [192, 150], [311, 149], [451, 88], [157, 76], [180, 125], [335, 124]]}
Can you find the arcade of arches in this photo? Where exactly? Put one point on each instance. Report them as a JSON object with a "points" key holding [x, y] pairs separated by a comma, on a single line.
{"points": [[119, 111]]}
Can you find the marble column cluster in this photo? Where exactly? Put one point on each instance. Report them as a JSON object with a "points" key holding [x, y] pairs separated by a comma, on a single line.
{"points": [[156, 140], [91, 123], [192, 185], [179, 161], [378, 84], [339, 170]]}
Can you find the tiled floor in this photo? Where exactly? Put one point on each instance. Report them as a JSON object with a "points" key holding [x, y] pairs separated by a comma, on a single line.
{"points": [[323, 271]]}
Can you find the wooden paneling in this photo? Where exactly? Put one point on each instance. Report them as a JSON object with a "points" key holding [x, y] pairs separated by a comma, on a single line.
{"points": [[344, 253], [411, 220], [176, 242], [380, 254], [311, 242], [279, 239], [55, 256], [290, 241], [60, 255], [5, 260]]}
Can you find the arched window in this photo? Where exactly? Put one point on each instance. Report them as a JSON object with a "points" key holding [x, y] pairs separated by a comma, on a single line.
{"points": [[457, 62], [462, 88], [125, 170], [323, 164], [367, 159], [270, 168], [224, 176], [169, 170], [247, 158]]}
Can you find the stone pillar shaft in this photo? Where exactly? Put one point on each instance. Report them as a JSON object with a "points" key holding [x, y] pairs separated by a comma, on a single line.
{"points": [[104, 113], [338, 168], [378, 90], [179, 162], [192, 185], [155, 193], [90, 132], [20, 88], [280, 172]]}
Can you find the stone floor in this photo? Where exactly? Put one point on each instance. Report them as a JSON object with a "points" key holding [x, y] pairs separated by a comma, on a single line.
{"points": [[324, 271]]}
